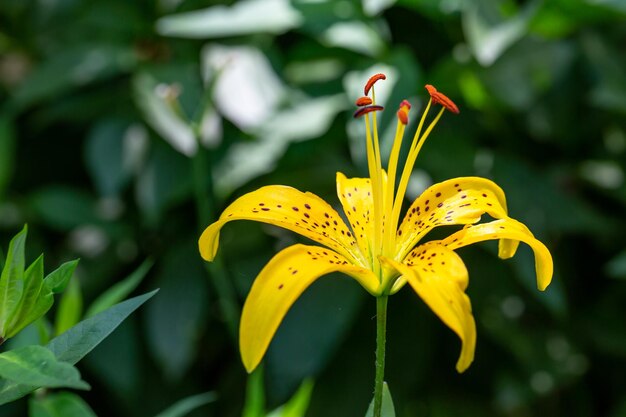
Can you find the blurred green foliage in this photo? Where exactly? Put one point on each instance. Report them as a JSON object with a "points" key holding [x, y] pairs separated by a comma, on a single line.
{"points": [[126, 126]]}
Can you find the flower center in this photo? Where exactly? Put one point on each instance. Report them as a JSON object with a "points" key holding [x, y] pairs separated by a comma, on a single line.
{"points": [[386, 199]]}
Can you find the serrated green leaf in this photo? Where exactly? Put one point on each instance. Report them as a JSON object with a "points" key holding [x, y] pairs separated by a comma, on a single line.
{"points": [[11, 280], [33, 281], [187, 405], [120, 290], [70, 308], [78, 341], [387, 408], [62, 404], [37, 366]]}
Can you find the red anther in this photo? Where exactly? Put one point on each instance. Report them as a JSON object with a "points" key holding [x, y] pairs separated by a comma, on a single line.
{"points": [[371, 81], [440, 98], [405, 103], [364, 110], [431, 90], [363, 101], [403, 115]]}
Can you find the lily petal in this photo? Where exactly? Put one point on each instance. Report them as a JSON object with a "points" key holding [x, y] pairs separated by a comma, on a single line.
{"points": [[513, 230], [279, 284], [355, 195], [456, 201], [303, 213], [438, 275]]}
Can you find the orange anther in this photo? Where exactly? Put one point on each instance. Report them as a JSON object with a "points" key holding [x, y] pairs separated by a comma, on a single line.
{"points": [[364, 110], [405, 103], [403, 115], [363, 101], [440, 98], [371, 81]]}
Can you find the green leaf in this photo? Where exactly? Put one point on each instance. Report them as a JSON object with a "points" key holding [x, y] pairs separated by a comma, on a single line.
{"points": [[120, 290], [489, 34], [78, 341], [11, 280], [162, 115], [55, 282], [165, 180], [298, 404], [326, 310], [33, 281], [245, 17], [255, 395], [7, 152], [37, 366], [109, 155], [177, 318], [185, 406], [58, 279], [62, 404], [387, 408], [304, 120], [72, 67], [616, 267], [70, 308], [63, 207]]}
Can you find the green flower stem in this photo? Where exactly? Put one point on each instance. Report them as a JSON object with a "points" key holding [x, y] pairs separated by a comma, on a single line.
{"points": [[203, 189], [381, 336]]}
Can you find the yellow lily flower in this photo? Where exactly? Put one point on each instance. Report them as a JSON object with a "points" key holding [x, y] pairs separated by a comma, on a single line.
{"points": [[371, 247]]}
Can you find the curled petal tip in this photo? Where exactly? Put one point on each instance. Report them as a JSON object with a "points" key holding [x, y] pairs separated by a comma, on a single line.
{"points": [[370, 83], [367, 109], [440, 98]]}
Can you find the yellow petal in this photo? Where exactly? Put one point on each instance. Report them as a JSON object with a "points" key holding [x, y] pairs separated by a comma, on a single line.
{"points": [[456, 201], [511, 229], [303, 213], [438, 275], [355, 195], [276, 288]]}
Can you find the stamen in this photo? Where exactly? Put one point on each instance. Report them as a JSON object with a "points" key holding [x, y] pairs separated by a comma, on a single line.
{"points": [[367, 109], [403, 116], [363, 101], [370, 83], [403, 119], [440, 98], [403, 112]]}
